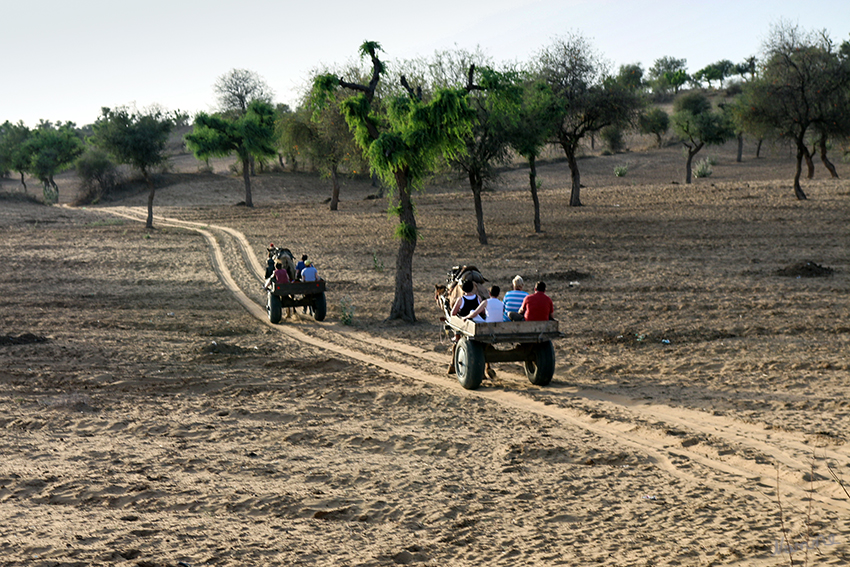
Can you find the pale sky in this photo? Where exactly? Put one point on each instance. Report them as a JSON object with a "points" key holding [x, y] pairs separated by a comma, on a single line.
{"points": [[65, 59]]}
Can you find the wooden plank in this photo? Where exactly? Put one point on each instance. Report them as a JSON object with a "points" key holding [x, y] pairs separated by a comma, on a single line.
{"points": [[299, 288], [506, 328]]}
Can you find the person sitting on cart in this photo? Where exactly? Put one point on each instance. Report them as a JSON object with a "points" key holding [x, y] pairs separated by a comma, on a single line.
{"points": [[280, 275], [468, 302], [514, 299], [300, 266], [464, 307], [538, 306], [493, 308], [309, 272]]}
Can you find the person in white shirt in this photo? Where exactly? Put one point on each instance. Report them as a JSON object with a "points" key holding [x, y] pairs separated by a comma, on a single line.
{"points": [[493, 308]]}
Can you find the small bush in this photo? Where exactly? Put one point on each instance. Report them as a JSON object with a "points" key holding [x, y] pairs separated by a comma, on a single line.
{"points": [[98, 174], [612, 136], [621, 170], [703, 168], [346, 308]]}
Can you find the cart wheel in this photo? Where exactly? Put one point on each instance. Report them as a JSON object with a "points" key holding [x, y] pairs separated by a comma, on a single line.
{"points": [[541, 367], [320, 307], [274, 309], [469, 363]]}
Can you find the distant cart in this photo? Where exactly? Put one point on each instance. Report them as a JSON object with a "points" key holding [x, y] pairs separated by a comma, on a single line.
{"points": [[295, 294], [532, 342]]}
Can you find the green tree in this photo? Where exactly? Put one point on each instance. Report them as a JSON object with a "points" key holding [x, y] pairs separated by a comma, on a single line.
{"points": [[14, 150], [402, 139], [717, 71], [667, 74], [631, 76], [328, 140], [803, 82], [708, 73], [698, 125], [487, 142], [136, 138], [98, 174], [530, 125], [656, 122], [251, 135], [293, 132], [748, 66], [52, 150], [589, 99]]}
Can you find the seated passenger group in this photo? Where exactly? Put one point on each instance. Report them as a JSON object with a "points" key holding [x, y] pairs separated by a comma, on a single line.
{"points": [[517, 306]]}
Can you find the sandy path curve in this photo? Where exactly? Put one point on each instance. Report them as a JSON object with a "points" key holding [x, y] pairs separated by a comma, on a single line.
{"points": [[739, 473]]}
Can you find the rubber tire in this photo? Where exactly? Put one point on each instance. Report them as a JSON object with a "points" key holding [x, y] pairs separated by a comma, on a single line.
{"points": [[541, 367], [320, 307], [274, 309], [469, 363]]}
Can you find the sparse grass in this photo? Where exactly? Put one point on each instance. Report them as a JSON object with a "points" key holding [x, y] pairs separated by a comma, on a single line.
{"points": [[703, 168], [621, 170], [346, 308]]}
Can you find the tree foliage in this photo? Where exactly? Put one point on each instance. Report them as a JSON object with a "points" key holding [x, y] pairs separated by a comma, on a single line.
{"points": [[656, 122], [530, 125], [136, 138], [589, 98], [803, 90], [667, 75], [326, 138], [52, 150], [402, 138], [698, 125], [14, 152], [492, 94], [251, 135]]}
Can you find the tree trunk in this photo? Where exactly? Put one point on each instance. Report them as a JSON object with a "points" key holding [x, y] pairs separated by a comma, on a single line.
{"points": [[532, 180], [740, 156], [810, 164], [570, 151], [280, 161], [402, 307], [828, 164], [798, 190], [151, 192], [246, 170], [24, 183], [758, 148], [476, 184], [692, 151], [335, 192]]}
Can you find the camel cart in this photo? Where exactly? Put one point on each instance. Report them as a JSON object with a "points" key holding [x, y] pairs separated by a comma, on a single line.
{"points": [[295, 294], [477, 343]]}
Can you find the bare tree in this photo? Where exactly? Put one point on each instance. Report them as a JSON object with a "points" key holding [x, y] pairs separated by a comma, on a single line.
{"points": [[237, 88]]}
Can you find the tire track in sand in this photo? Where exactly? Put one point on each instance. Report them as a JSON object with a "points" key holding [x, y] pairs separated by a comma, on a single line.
{"points": [[733, 472]]}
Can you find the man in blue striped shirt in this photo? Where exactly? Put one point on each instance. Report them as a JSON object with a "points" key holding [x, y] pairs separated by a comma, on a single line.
{"points": [[513, 300]]}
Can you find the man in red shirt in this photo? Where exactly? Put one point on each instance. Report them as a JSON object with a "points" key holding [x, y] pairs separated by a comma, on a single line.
{"points": [[538, 306]]}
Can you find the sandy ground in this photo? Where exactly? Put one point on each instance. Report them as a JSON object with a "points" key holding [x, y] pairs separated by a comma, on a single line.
{"points": [[699, 414]]}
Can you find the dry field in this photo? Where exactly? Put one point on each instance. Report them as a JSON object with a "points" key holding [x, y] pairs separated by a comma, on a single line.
{"points": [[699, 412]]}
